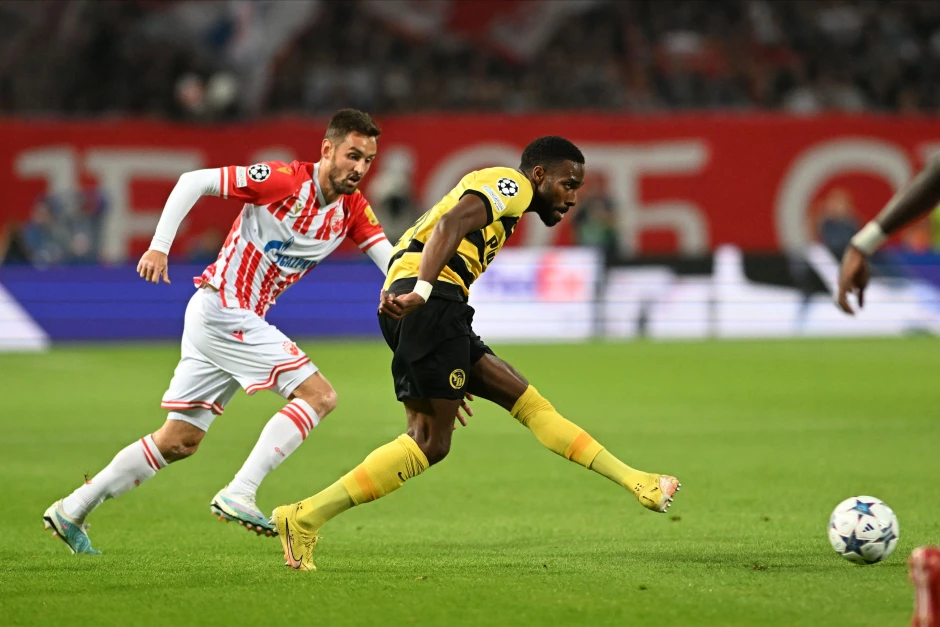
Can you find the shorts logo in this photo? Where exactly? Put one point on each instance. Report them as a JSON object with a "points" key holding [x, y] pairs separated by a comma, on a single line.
{"points": [[507, 187], [259, 172], [498, 203], [291, 348], [241, 177], [457, 379]]}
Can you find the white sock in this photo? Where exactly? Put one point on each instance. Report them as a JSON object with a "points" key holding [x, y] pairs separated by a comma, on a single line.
{"points": [[280, 437], [129, 468]]}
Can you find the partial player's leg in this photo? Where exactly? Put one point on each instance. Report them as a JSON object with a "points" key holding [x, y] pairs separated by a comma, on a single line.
{"points": [[430, 380], [258, 356], [198, 392], [495, 380], [384, 470], [309, 403]]}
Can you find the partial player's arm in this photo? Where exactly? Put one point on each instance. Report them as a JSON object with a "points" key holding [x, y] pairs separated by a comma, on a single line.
{"points": [[261, 183], [191, 187], [367, 233], [468, 215], [913, 201]]}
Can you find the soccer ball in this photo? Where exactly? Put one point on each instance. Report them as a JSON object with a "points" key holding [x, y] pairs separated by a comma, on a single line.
{"points": [[863, 530]]}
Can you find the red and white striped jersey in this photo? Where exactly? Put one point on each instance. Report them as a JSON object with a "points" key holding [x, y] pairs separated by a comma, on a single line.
{"points": [[284, 230]]}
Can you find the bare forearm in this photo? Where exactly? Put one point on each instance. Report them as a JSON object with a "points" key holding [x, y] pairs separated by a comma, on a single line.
{"points": [[915, 200], [441, 246]]}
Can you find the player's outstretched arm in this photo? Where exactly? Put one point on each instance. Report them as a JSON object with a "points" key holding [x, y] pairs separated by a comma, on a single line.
{"points": [[910, 203], [468, 215]]}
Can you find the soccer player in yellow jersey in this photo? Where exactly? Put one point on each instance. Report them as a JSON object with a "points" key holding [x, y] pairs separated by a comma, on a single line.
{"points": [[438, 359]]}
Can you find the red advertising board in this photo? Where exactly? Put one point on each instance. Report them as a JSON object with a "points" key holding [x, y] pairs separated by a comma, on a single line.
{"points": [[678, 183]]}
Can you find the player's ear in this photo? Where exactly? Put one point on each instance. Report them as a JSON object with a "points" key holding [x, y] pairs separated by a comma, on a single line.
{"points": [[538, 174], [326, 149]]}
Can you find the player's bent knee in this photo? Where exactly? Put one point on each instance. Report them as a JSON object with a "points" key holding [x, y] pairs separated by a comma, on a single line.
{"points": [[328, 402], [435, 449], [317, 392], [177, 439], [178, 450]]}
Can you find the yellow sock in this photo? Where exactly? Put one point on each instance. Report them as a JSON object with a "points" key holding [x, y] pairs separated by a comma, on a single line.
{"points": [[609, 466], [553, 431], [569, 440], [382, 472]]}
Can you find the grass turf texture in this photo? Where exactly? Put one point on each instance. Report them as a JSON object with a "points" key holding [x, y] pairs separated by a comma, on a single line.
{"points": [[767, 437]]}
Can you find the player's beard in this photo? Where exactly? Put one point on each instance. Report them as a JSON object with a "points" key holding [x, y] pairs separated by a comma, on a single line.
{"points": [[344, 185], [547, 213]]}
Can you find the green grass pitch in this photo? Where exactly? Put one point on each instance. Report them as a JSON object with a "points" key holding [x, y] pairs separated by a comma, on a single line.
{"points": [[766, 437]]}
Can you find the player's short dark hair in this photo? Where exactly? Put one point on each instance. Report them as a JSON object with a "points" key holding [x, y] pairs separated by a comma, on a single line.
{"points": [[347, 121], [549, 150]]}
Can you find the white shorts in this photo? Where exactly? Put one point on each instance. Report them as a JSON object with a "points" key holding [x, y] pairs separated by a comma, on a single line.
{"points": [[224, 348]]}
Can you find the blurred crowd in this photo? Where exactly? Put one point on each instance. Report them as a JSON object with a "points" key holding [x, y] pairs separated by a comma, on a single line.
{"points": [[225, 59], [220, 60], [62, 229]]}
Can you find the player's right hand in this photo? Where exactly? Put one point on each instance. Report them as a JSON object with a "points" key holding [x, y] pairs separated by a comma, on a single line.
{"points": [[853, 277], [153, 266], [397, 307]]}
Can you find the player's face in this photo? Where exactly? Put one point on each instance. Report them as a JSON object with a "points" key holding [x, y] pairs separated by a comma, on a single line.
{"points": [[349, 161], [557, 189]]}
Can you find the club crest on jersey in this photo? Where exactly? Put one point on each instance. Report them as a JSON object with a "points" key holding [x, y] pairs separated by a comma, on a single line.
{"points": [[507, 187], [259, 172], [277, 249], [336, 224], [291, 348]]}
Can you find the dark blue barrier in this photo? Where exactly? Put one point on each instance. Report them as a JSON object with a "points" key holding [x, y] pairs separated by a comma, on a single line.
{"points": [[338, 298]]}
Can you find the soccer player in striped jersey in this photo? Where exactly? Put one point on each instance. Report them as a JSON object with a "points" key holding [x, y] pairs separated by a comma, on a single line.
{"points": [[294, 215], [438, 359]]}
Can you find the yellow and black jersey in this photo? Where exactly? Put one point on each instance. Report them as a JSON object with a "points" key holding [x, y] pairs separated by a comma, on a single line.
{"points": [[505, 192]]}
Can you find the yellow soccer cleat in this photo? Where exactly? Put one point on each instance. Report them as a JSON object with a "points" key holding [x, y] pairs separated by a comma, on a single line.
{"points": [[656, 492], [298, 545]]}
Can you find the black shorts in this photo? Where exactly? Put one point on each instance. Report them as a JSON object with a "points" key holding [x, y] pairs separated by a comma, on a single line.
{"points": [[434, 346]]}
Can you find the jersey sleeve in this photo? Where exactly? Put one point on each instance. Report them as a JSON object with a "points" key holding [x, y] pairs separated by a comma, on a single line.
{"points": [[259, 184], [364, 227], [505, 192]]}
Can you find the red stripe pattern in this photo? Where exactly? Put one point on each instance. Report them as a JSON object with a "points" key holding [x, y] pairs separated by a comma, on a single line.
{"points": [[275, 372], [280, 209], [296, 416], [305, 220], [246, 274], [149, 456], [215, 408], [324, 231], [286, 283], [267, 285]]}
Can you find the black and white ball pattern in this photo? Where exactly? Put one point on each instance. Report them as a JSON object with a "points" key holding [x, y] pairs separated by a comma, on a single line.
{"points": [[507, 187], [259, 172]]}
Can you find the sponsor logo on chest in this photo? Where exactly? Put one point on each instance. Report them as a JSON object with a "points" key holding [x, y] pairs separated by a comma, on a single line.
{"points": [[276, 249]]}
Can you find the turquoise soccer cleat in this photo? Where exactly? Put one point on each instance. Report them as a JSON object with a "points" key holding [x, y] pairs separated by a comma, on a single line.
{"points": [[72, 532], [228, 507]]}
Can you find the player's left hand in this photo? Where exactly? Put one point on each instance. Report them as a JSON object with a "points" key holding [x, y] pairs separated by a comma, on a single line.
{"points": [[397, 307], [853, 277], [464, 408], [153, 266]]}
